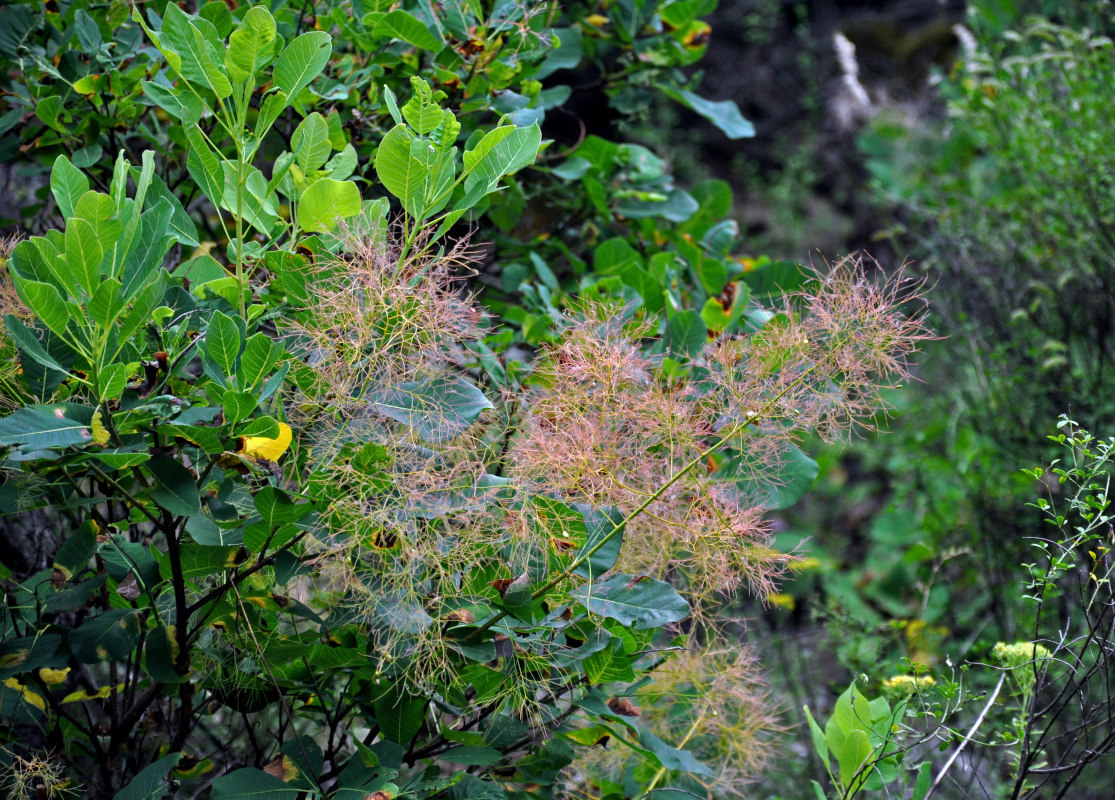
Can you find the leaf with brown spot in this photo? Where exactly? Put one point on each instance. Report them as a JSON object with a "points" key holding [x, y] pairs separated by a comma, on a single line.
{"points": [[624, 707], [283, 768], [636, 580], [500, 585], [128, 588], [460, 615]]}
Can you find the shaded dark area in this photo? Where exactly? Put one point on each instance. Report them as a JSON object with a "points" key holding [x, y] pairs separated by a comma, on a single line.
{"points": [[777, 60]]}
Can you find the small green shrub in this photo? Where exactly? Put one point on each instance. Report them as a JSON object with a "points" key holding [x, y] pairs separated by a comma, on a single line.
{"points": [[920, 540], [1053, 722]]}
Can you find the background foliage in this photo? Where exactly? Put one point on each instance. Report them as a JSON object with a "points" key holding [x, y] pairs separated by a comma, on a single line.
{"points": [[920, 543]]}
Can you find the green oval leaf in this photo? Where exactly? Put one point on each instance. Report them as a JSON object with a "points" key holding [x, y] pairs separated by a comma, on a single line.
{"points": [[150, 782], [176, 487], [107, 637], [252, 784], [311, 143], [437, 410], [399, 24], [83, 254], [223, 342], [41, 427], [325, 202], [47, 303], [639, 602], [399, 171], [301, 62], [67, 184], [724, 114], [249, 46]]}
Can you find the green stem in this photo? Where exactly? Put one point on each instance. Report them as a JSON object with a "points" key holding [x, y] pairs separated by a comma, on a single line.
{"points": [[240, 305], [235, 128], [662, 770]]}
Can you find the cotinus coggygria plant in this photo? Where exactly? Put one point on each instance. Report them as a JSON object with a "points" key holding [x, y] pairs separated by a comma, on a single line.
{"points": [[315, 537]]}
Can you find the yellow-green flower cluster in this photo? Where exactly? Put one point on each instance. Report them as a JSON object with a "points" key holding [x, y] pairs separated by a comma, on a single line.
{"points": [[1019, 654], [902, 686]]}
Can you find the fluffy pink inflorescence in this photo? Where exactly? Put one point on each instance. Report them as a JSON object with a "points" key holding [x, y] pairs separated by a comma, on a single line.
{"points": [[603, 425]]}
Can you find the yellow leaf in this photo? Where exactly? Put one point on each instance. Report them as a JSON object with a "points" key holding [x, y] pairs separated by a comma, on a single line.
{"points": [[100, 694], [283, 768], [53, 677], [100, 432], [697, 35], [597, 20], [29, 697], [780, 600], [195, 770], [268, 449]]}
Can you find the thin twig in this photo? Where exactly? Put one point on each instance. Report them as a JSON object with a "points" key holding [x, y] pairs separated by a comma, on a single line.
{"points": [[967, 738]]}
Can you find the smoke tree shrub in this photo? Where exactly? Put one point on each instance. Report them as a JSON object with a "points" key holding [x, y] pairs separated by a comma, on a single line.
{"points": [[320, 538], [594, 209], [323, 560], [709, 699]]}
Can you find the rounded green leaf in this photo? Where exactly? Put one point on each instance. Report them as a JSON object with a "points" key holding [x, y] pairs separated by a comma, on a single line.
{"points": [[181, 104], [399, 714], [150, 782], [640, 602], [83, 255], [107, 303], [67, 184], [48, 110], [399, 24], [107, 637], [302, 61], [223, 341], [603, 528], [196, 43], [29, 345], [175, 486], [237, 405], [249, 46], [398, 170], [47, 303], [724, 114], [252, 784], [40, 427], [113, 380], [853, 758], [325, 202], [311, 143], [437, 410], [497, 155]]}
